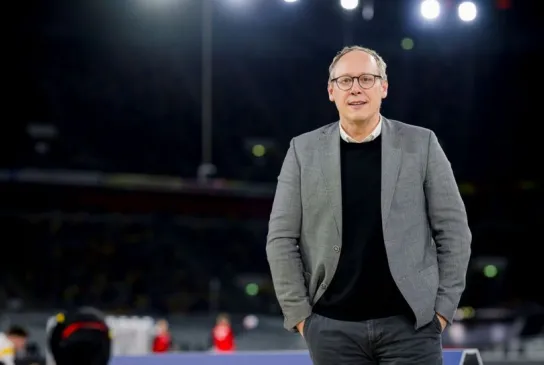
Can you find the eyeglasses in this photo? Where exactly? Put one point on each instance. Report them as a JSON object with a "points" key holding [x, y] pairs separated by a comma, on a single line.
{"points": [[366, 81]]}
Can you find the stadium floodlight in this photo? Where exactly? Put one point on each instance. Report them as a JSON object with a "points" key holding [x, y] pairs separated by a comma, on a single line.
{"points": [[467, 11], [349, 4], [430, 9], [290, 1]]}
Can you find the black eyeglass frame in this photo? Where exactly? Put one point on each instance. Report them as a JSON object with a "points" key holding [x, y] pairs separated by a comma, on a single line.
{"points": [[358, 78]]}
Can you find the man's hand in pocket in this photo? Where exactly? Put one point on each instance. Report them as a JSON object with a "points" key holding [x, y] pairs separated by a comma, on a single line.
{"points": [[443, 321], [300, 328]]}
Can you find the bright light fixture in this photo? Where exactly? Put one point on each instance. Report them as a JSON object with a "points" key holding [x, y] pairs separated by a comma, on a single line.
{"points": [[467, 11], [430, 9], [349, 4]]}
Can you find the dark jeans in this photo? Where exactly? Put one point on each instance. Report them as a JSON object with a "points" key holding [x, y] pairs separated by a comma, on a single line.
{"points": [[391, 341]]}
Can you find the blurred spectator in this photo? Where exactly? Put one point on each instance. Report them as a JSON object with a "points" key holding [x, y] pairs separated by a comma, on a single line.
{"points": [[163, 340], [222, 335], [12, 343], [18, 336]]}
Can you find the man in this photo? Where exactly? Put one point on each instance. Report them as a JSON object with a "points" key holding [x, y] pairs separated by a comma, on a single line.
{"points": [[368, 239], [223, 335], [12, 342], [162, 341], [81, 337]]}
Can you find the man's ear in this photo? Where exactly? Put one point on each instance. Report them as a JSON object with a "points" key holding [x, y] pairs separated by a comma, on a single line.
{"points": [[329, 91], [385, 88]]}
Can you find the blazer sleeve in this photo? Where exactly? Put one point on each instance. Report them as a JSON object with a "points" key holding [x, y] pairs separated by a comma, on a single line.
{"points": [[282, 244], [448, 220]]}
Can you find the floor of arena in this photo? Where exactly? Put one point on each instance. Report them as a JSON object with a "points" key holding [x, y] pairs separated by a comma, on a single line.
{"points": [[451, 357]]}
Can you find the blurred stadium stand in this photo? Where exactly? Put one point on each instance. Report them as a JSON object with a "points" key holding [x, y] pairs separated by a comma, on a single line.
{"points": [[185, 256]]}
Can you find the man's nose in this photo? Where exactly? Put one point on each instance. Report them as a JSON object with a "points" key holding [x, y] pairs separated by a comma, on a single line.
{"points": [[356, 88]]}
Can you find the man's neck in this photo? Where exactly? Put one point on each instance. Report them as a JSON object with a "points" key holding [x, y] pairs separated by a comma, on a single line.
{"points": [[359, 130]]}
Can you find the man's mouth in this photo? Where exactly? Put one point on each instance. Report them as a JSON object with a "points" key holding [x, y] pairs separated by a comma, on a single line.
{"points": [[357, 103]]}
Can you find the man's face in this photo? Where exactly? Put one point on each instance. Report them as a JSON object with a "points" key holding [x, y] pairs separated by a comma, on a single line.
{"points": [[355, 64], [162, 326], [19, 342]]}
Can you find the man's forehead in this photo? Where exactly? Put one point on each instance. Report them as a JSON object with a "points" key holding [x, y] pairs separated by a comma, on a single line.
{"points": [[355, 63]]}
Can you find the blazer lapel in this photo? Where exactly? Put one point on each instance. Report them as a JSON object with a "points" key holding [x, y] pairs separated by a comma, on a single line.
{"points": [[391, 159], [330, 165]]}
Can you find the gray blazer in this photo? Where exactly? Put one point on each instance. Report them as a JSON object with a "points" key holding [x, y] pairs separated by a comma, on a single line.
{"points": [[424, 222]]}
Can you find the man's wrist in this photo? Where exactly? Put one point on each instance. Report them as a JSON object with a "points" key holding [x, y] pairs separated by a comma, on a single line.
{"points": [[300, 327], [443, 320]]}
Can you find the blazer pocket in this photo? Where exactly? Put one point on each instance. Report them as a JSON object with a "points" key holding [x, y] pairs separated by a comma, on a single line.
{"points": [[306, 326]]}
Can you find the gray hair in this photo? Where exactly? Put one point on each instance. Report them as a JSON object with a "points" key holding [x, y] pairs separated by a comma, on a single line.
{"points": [[382, 66]]}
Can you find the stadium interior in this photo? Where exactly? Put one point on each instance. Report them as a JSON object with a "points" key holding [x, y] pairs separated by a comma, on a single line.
{"points": [[145, 138]]}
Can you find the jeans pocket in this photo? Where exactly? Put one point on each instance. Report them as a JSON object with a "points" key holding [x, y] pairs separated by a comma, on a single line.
{"points": [[306, 326]]}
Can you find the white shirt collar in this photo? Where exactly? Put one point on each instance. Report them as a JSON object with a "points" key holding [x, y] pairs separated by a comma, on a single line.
{"points": [[372, 136]]}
